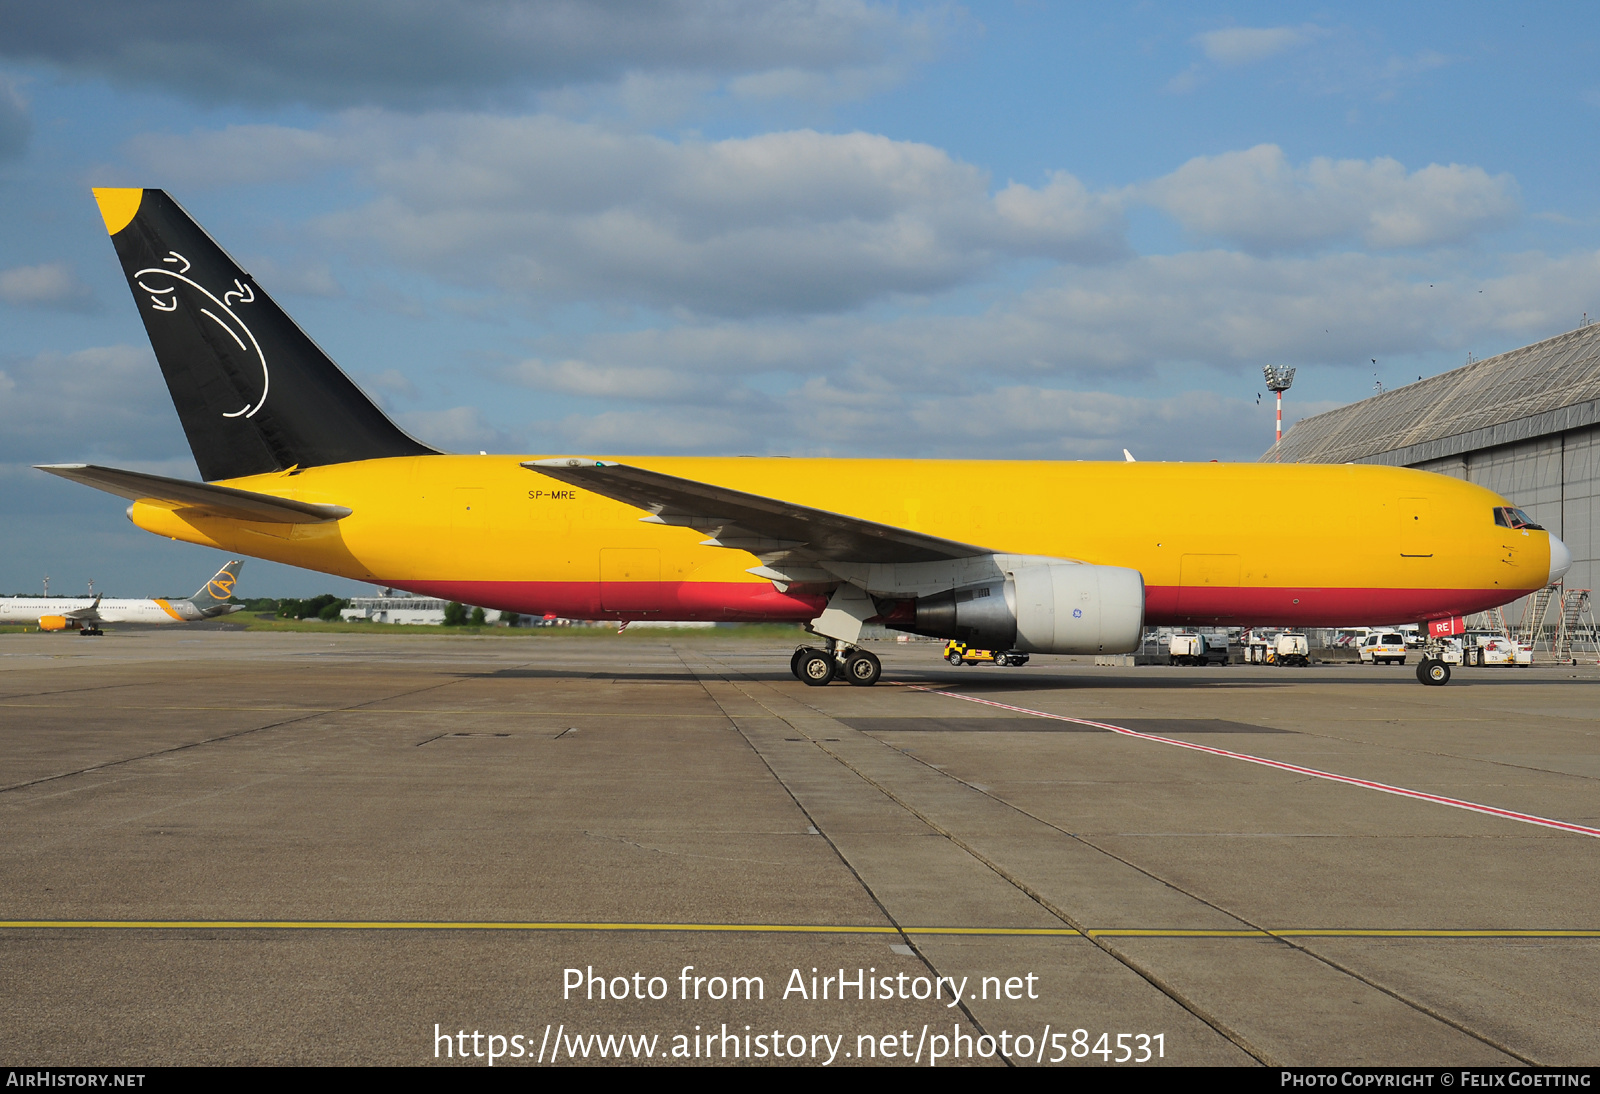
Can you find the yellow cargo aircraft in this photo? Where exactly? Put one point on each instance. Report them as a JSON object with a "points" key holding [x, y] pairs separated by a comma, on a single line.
{"points": [[1032, 557]]}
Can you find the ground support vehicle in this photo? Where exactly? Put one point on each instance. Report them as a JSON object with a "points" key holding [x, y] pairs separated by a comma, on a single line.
{"points": [[1186, 648], [959, 653], [1498, 650], [1383, 648], [1292, 649]]}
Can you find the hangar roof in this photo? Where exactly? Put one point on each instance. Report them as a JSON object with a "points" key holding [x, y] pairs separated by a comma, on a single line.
{"points": [[1548, 387]]}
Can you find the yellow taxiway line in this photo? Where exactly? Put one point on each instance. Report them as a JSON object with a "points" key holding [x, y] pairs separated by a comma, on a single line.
{"points": [[762, 928]]}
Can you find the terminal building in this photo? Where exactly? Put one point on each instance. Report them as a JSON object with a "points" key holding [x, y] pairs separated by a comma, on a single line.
{"points": [[424, 610], [1525, 424]]}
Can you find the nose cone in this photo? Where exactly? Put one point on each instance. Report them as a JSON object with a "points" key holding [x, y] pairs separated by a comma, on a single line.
{"points": [[1560, 559]]}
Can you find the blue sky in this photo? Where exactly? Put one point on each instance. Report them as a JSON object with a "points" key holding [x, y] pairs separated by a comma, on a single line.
{"points": [[826, 227]]}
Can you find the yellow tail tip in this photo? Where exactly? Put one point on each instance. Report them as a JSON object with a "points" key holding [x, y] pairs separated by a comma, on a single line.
{"points": [[118, 206]]}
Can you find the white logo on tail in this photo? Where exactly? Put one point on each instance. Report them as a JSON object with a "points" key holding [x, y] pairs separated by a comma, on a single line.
{"points": [[164, 297]]}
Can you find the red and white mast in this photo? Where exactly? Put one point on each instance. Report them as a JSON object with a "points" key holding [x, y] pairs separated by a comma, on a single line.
{"points": [[1278, 381]]}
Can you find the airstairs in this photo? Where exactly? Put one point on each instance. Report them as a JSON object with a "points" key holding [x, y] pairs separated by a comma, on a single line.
{"points": [[1576, 626], [1533, 613]]}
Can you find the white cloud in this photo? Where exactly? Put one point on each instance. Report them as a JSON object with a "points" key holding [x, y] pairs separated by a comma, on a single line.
{"points": [[1010, 422], [1245, 45], [1203, 315], [236, 155], [1259, 201], [458, 429], [15, 124], [762, 253], [307, 278], [583, 378], [1400, 68], [784, 222], [450, 52], [105, 403], [50, 285]]}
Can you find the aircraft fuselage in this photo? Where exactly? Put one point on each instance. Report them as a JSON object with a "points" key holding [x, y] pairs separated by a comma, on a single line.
{"points": [[1296, 545]]}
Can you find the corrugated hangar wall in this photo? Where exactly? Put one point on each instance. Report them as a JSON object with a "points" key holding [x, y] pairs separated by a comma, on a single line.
{"points": [[1554, 479], [1525, 424]]}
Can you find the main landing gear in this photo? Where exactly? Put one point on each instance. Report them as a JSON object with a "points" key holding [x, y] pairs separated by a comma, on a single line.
{"points": [[819, 667]]}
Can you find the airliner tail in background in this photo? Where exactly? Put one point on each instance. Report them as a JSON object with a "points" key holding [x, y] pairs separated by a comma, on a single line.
{"points": [[69, 614]]}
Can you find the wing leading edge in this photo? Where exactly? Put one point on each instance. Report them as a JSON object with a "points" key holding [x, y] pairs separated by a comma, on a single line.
{"points": [[792, 541]]}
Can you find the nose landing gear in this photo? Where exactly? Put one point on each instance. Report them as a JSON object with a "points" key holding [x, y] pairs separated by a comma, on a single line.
{"points": [[1433, 672], [1438, 655]]}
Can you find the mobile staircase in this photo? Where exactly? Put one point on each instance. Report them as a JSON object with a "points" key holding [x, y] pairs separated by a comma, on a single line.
{"points": [[1576, 625]]}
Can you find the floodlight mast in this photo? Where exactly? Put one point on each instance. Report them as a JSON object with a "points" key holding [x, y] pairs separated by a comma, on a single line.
{"points": [[1278, 381]]}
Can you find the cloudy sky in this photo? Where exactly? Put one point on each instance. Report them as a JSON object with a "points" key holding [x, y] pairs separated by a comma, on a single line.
{"points": [[815, 227]]}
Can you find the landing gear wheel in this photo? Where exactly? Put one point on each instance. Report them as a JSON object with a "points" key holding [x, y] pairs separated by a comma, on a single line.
{"points": [[794, 661], [1433, 673], [816, 668], [954, 659], [862, 669]]}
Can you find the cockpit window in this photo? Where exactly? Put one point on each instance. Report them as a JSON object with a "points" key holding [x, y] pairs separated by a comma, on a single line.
{"points": [[1507, 517]]}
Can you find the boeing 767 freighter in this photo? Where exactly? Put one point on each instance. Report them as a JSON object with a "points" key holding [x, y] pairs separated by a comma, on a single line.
{"points": [[1033, 557]]}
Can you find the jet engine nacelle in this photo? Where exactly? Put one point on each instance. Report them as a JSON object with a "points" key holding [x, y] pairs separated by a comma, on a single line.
{"points": [[54, 623], [1041, 607]]}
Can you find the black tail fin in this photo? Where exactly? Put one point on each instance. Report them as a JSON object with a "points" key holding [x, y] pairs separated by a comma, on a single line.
{"points": [[254, 393]]}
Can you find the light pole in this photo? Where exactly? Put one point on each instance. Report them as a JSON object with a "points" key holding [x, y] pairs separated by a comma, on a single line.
{"points": [[1278, 381]]}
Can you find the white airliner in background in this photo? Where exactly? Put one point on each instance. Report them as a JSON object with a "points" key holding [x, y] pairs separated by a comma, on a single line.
{"points": [[85, 616]]}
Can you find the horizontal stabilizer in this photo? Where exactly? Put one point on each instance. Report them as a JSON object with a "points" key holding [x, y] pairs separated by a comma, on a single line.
{"points": [[777, 532], [208, 500]]}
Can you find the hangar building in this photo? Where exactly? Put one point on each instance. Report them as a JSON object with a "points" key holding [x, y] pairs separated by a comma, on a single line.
{"points": [[1525, 424]]}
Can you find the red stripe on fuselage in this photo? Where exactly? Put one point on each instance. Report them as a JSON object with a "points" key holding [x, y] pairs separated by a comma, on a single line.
{"points": [[1165, 605], [703, 601]]}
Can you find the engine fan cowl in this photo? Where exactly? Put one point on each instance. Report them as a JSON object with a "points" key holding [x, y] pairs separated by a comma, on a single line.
{"points": [[1066, 608], [1041, 607]]}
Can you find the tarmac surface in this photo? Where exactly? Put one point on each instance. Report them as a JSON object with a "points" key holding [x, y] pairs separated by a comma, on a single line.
{"points": [[304, 848]]}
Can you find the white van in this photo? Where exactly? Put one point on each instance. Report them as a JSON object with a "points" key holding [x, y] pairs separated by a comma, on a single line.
{"points": [[1383, 648]]}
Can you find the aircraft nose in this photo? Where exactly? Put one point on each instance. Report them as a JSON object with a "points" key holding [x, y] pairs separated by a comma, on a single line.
{"points": [[1560, 559]]}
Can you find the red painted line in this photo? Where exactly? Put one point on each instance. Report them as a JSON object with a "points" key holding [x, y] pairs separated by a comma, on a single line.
{"points": [[1437, 799]]}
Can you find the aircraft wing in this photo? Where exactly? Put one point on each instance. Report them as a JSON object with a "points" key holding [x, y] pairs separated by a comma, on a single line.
{"points": [[201, 498], [782, 534], [92, 611]]}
